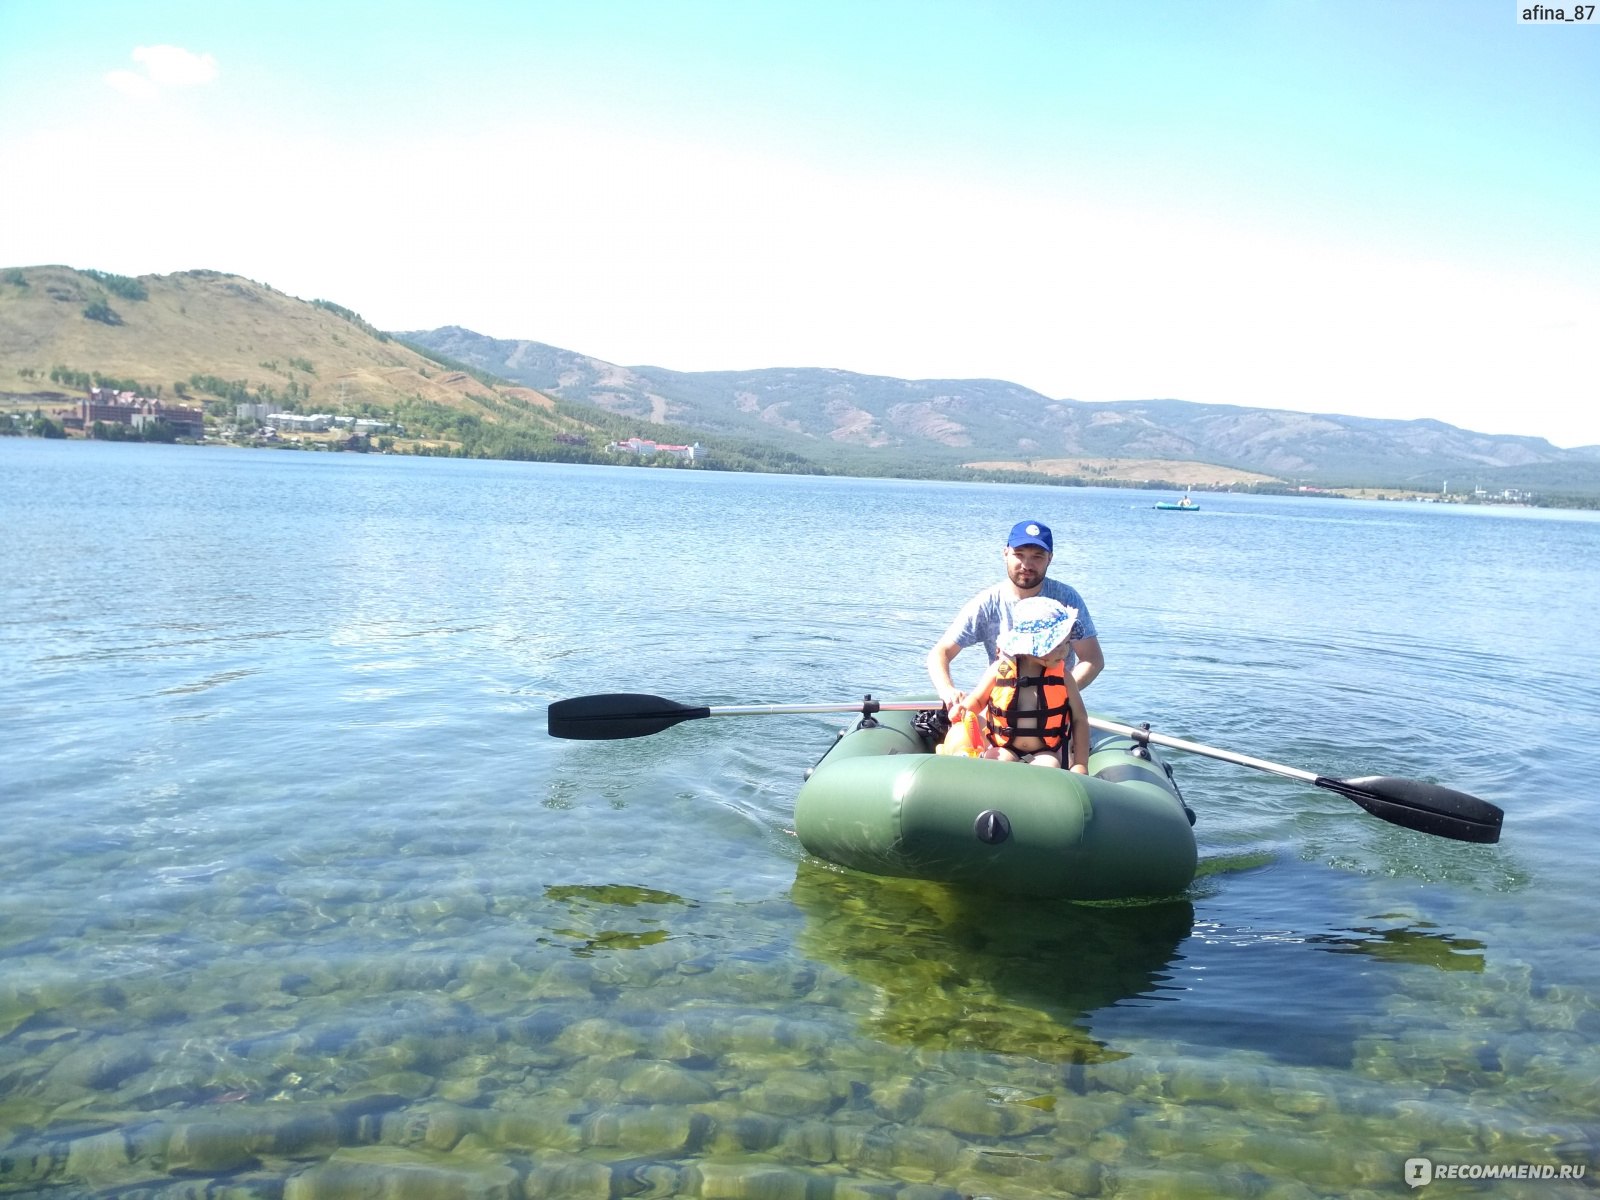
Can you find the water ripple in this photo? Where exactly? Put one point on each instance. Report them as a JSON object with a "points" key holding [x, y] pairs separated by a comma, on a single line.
{"points": [[299, 894]]}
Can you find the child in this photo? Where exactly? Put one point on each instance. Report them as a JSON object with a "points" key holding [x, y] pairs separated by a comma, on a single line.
{"points": [[1029, 705]]}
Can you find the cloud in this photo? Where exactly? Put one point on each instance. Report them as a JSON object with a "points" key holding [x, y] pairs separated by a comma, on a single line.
{"points": [[163, 67]]}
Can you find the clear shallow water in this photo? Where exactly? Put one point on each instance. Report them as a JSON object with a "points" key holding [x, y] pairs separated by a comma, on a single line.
{"points": [[300, 900]]}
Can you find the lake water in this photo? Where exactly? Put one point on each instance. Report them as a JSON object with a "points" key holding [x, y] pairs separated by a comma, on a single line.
{"points": [[300, 900]]}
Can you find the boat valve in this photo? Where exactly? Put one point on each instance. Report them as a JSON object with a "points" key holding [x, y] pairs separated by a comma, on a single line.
{"points": [[992, 827]]}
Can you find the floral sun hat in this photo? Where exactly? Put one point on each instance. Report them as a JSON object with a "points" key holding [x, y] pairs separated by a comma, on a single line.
{"points": [[1039, 626]]}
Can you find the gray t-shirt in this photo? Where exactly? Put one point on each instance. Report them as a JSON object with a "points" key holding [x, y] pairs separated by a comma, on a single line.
{"points": [[987, 616]]}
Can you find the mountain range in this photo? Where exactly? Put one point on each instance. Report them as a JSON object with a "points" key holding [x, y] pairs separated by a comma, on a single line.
{"points": [[219, 336], [849, 419]]}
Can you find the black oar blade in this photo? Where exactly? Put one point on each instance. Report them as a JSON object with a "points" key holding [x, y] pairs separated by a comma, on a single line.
{"points": [[1425, 807], [615, 715]]}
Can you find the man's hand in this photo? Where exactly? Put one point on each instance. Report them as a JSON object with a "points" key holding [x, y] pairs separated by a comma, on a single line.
{"points": [[939, 659]]}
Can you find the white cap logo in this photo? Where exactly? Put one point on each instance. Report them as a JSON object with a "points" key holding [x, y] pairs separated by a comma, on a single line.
{"points": [[1033, 531]]}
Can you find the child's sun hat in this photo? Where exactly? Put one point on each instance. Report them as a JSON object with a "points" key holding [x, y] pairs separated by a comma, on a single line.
{"points": [[1039, 625]]}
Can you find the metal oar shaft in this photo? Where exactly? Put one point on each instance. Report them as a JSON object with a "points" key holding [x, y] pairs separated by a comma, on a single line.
{"points": [[778, 710], [1243, 760], [1409, 803]]}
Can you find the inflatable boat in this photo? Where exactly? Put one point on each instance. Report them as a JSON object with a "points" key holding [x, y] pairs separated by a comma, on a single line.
{"points": [[881, 801]]}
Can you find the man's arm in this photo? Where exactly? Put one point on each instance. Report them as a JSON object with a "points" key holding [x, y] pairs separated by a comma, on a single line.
{"points": [[1090, 661], [939, 660]]}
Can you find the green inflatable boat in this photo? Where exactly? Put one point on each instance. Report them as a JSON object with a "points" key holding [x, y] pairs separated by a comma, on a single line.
{"points": [[880, 801]]}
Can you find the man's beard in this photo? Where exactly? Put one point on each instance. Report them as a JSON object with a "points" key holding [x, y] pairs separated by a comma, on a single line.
{"points": [[1026, 577]]}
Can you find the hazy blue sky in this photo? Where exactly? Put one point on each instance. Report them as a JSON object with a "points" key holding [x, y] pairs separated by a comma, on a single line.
{"points": [[1378, 207]]}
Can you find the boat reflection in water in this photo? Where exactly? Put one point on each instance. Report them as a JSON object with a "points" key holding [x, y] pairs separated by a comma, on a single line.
{"points": [[955, 970]]}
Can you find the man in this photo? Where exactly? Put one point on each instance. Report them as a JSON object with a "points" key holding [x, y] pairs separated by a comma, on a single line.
{"points": [[988, 615]]}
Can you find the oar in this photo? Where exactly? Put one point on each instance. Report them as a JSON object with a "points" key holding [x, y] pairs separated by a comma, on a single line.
{"points": [[1425, 807], [613, 715]]}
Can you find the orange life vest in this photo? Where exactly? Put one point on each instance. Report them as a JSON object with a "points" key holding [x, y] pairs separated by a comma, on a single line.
{"points": [[1051, 723]]}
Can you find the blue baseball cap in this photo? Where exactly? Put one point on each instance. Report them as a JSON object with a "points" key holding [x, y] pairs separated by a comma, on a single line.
{"points": [[1031, 533]]}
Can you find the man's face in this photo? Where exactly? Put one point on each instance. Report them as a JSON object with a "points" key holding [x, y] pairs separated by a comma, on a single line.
{"points": [[1026, 565]]}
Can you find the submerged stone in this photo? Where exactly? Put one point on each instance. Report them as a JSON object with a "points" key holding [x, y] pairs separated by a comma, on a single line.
{"points": [[663, 1083], [657, 1129], [599, 1038], [809, 1141], [922, 1154], [864, 1149], [211, 1148], [745, 1181], [437, 1127], [1006, 1162], [738, 1132], [543, 1024], [1078, 1175], [381, 1171], [1229, 1085], [538, 1124], [27, 1162], [568, 978], [898, 1099], [1288, 1189], [791, 1094], [102, 1064], [973, 1113], [679, 1039], [646, 1179], [294, 1132], [559, 1177], [862, 1189], [98, 1155], [469, 1089]]}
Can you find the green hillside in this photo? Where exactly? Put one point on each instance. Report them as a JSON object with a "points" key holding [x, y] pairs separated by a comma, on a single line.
{"points": [[203, 338]]}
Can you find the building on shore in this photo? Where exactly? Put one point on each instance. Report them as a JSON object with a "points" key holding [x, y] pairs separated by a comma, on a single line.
{"points": [[300, 422], [137, 412], [314, 422], [645, 448]]}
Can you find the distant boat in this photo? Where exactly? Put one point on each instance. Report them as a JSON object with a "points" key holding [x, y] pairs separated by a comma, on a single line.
{"points": [[1184, 505]]}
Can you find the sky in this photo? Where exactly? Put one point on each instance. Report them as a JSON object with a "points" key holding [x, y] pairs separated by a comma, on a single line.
{"points": [[1385, 208]]}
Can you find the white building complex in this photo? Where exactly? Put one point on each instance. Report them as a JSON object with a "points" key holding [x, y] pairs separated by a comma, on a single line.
{"points": [[645, 447]]}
